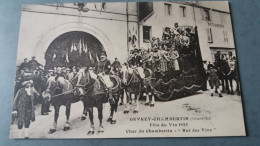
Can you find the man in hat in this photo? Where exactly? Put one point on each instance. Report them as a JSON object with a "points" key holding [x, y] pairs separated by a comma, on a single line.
{"points": [[50, 73], [23, 107], [136, 59], [103, 69], [116, 66], [67, 73], [23, 65], [33, 64], [176, 29], [45, 108], [60, 73], [103, 66]]}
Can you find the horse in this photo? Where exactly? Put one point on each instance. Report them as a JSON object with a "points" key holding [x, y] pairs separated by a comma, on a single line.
{"points": [[148, 88], [94, 93], [60, 92], [134, 80], [223, 70], [227, 75]]}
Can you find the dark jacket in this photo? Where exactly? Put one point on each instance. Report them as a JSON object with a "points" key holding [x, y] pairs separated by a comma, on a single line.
{"points": [[103, 67], [135, 60], [23, 104], [33, 64], [116, 64]]}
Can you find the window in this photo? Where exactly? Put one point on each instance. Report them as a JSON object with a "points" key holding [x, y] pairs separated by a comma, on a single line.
{"points": [[183, 11], [209, 35], [225, 36], [146, 33], [206, 14], [168, 9]]}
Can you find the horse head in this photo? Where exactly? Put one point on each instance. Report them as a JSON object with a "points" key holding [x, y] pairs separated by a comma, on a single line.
{"points": [[124, 72], [83, 79], [51, 88], [132, 75]]}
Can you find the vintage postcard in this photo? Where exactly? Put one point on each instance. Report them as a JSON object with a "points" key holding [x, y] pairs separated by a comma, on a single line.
{"points": [[127, 70]]}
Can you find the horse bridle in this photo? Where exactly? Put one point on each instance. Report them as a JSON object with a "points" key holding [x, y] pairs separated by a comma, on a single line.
{"points": [[134, 71], [86, 89], [48, 89], [56, 87]]}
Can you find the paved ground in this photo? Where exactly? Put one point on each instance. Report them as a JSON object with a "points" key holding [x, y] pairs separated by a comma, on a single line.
{"points": [[199, 115]]}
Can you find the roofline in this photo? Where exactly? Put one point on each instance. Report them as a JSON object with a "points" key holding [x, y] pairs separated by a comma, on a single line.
{"points": [[198, 6]]}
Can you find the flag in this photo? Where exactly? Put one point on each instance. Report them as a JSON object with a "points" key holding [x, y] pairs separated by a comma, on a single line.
{"points": [[54, 56], [72, 47], [85, 48], [67, 57], [90, 56], [97, 57], [79, 47]]}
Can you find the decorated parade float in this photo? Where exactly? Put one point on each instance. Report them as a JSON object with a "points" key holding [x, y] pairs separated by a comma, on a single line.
{"points": [[192, 76]]}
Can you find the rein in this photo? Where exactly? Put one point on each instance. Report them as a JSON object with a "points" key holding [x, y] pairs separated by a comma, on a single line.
{"points": [[87, 89], [64, 93], [129, 82]]}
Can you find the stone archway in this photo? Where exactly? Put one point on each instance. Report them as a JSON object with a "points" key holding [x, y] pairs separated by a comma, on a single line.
{"points": [[75, 48], [49, 37]]}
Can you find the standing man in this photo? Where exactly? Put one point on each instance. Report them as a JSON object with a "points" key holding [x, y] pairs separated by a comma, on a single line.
{"points": [[33, 64], [45, 108], [24, 64]]}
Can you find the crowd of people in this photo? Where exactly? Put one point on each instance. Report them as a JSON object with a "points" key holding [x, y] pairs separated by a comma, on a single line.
{"points": [[164, 58], [31, 79]]}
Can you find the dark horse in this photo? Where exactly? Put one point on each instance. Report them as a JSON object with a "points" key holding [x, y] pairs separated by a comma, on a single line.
{"points": [[227, 75], [60, 92], [134, 80], [95, 93]]}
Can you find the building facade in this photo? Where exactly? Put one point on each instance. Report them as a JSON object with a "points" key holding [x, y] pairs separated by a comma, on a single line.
{"points": [[110, 23], [121, 27], [214, 25]]}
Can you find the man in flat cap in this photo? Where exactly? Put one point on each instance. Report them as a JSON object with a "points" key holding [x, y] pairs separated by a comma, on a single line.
{"points": [[136, 59]]}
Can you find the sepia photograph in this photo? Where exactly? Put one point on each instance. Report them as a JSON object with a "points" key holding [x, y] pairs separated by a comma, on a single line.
{"points": [[126, 70]]}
